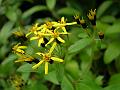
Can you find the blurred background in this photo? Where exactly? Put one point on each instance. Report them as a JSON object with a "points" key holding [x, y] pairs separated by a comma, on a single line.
{"points": [[93, 66]]}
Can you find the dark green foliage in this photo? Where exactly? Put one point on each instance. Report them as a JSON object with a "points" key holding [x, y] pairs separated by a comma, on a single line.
{"points": [[92, 59]]}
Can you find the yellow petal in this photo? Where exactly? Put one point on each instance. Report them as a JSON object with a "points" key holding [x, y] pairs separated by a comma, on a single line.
{"points": [[20, 60], [51, 40], [35, 32], [37, 65], [46, 67], [16, 46], [64, 29], [49, 31], [60, 39], [56, 29], [22, 47], [33, 38], [57, 59], [42, 26], [28, 34], [53, 47], [23, 59], [40, 41], [20, 51], [72, 23], [40, 53], [62, 19], [64, 33]]}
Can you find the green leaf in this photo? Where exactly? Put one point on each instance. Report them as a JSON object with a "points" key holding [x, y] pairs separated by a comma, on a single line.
{"points": [[103, 7], [82, 86], [112, 52], [10, 58], [52, 77], [83, 35], [32, 10], [5, 32], [36, 85], [112, 87], [11, 15], [59, 71], [108, 19], [25, 76], [68, 11], [115, 79], [25, 68], [99, 80], [51, 4], [87, 82], [66, 84], [79, 45], [114, 29], [3, 51], [72, 68], [86, 59], [102, 26], [0, 2]]}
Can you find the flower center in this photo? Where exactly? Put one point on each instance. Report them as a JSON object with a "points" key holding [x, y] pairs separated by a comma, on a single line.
{"points": [[49, 25], [55, 34], [46, 57]]}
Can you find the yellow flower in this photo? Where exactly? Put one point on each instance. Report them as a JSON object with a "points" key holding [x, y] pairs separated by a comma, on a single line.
{"points": [[77, 19], [18, 49], [24, 58], [35, 28], [27, 58], [82, 21], [92, 14], [18, 33], [40, 37], [56, 35], [62, 23], [46, 57]]}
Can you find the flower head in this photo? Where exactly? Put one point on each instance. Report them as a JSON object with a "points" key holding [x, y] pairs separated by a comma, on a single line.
{"points": [[18, 33], [40, 37], [92, 17], [18, 49], [77, 19], [46, 58], [83, 23], [62, 23], [27, 58], [34, 29], [56, 35], [92, 14]]}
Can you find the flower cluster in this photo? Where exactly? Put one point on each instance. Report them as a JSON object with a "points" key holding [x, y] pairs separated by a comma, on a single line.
{"points": [[92, 19], [46, 34], [91, 16]]}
